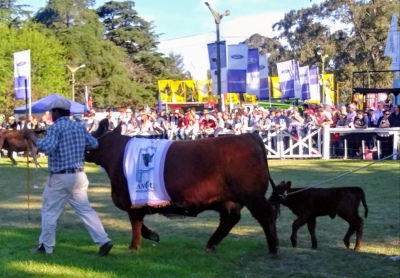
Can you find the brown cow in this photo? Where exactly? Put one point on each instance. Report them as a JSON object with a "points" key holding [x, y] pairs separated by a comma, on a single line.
{"points": [[222, 174], [14, 141], [308, 204]]}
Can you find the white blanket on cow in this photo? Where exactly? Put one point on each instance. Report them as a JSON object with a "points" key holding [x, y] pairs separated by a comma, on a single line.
{"points": [[144, 161]]}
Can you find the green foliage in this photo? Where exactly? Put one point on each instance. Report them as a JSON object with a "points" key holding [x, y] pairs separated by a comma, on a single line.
{"points": [[180, 253], [47, 55]]}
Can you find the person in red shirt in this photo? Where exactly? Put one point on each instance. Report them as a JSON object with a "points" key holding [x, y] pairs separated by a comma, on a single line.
{"points": [[207, 125]]}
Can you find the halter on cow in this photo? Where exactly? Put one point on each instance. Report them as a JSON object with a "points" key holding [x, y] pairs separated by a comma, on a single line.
{"points": [[222, 174]]}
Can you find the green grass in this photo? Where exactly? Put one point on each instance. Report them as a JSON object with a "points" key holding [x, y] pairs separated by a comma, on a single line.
{"points": [[180, 253]]}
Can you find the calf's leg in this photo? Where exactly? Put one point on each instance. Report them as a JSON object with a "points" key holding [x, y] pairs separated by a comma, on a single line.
{"points": [[226, 222], [311, 228], [263, 211], [300, 221], [356, 224], [10, 156]]}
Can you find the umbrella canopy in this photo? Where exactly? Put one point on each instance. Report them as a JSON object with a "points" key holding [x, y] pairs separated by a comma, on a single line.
{"points": [[40, 105]]}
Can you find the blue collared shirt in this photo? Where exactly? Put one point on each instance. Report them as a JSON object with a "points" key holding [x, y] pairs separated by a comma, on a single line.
{"points": [[65, 144]]}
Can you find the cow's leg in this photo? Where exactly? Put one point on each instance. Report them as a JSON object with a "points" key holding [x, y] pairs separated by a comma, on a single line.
{"points": [[348, 235], [300, 221], [226, 222], [265, 214], [10, 156], [139, 229], [311, 228]]}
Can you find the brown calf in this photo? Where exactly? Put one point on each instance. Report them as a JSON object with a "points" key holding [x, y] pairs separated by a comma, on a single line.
{"points": [[308, 204], [14, 141]]}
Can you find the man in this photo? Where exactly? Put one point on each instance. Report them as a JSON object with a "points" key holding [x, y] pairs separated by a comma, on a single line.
{"points": [[12, 124], [22, 123], [378, 113], [65, 145], [394, 118]]}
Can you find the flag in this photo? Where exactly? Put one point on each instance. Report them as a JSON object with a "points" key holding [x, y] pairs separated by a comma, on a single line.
{"points": [[264, 84], [212, 56], [253, 73], [392, 48], [192, 94], [305, 82], [276, 87], [178, 91], [204, 88], [165, 90], [329, 88], [314, 84], [159, 103], [289, 78], [237, 67], [22, 74]]}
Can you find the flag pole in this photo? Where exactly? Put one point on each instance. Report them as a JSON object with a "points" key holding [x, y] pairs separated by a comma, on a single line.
{"points": [[28, 187]]}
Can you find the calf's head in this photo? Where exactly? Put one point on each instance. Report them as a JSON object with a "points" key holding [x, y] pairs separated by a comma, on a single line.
{"points": [[278, 195]]}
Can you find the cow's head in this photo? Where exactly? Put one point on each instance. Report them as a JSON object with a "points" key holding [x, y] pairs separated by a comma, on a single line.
{"points": [[277, 196]]}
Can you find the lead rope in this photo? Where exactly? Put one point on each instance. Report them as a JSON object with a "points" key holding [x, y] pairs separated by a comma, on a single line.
{"points": [[285, 194]]}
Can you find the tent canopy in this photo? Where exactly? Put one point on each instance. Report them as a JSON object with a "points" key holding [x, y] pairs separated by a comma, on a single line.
{"points": [[39, 106]]}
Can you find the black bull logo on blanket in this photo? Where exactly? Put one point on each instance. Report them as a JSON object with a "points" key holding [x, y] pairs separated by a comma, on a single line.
{"points": [[222, 179], [147, 158]]}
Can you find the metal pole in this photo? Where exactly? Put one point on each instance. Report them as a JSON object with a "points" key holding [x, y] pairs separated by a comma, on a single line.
{"points": [[323, 75], [218, 69], [73, 85]]}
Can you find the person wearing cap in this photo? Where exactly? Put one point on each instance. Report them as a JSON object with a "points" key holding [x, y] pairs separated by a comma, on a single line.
{"points": [[65, 145], [12, 124], [21, 123], [377, 113]]}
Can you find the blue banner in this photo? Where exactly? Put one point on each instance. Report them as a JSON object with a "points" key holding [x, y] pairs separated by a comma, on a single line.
{"points": [[236, 81], [305, 82], [22, 74], [286, 73], [314, 84], [212, 55], [253, 73], [237, 67], [264, 80]]}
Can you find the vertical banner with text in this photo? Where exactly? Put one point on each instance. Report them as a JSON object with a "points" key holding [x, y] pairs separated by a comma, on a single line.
{"points": [[288, 73], [314, 84], [264, 84], [253, 73], [22, 74], [305, 82], [237, 67], [212, 56]]}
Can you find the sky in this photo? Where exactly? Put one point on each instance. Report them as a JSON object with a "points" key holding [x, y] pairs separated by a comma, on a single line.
{"points": [[187, 26]]}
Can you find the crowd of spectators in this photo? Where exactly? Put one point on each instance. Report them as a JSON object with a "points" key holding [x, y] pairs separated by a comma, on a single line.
{"points": [[191, 124]]}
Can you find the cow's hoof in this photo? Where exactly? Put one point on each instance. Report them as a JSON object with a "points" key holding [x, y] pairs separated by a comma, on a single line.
{"points": [[209, 249], [154, 236], [314, 247], [133, 248], [357, 248], [272, 256]]}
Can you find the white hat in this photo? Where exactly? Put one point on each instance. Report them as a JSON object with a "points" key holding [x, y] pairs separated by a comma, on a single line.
{"points": [[11, 118], [61, 103], [128, 110], [177, 111]]}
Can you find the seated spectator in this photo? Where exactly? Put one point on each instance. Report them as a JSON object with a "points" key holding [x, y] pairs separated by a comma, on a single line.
{"points": [[240, 123], [394, 118], [12, 124], [21, 123], [384, 137], [146, 125], [181, 126], [208, 126], [133, 127]]}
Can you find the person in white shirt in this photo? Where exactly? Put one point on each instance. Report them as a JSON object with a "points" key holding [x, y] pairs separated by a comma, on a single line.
{"points": [[377, 113]]}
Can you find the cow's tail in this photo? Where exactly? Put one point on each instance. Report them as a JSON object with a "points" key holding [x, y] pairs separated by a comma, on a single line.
{"points": [[364, 202]]}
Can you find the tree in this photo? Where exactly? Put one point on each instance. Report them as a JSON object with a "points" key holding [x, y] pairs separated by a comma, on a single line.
{"points": [[354, 48], [47, 56], [13, 13]]}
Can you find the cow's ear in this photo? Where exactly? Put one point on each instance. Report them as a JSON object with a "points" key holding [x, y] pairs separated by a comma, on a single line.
{"points": [[289, 184]]}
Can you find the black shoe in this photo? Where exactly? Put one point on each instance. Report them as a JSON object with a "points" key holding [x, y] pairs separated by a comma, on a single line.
{"points": [[39, 250], [105, 248]]}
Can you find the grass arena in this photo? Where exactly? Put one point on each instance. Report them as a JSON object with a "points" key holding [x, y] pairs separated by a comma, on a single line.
{"points": [[180, 252]]}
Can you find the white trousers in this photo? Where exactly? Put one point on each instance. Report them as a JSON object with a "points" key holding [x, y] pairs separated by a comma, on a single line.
{"points": [[71, 188]]}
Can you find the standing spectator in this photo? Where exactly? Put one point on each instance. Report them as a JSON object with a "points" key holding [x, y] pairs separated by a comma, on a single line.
{"points": [[240, 123], [132, 127], [208, 125], [322, 117], [384, 137], [146, 125], [360, 122], [65, 145], [372, 136], [351, 113], [339, 145]]}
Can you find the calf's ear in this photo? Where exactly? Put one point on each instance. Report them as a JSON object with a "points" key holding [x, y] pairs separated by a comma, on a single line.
{"points": [[288, 184]]}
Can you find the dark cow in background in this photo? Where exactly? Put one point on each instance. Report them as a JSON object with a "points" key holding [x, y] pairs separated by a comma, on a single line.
{"points": [[308, 204], [14, 141], [223, 174]]}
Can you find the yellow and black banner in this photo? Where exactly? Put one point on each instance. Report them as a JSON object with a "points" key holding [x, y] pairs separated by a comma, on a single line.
{"points": [[165, 90], [178, 91], [276, 87]]}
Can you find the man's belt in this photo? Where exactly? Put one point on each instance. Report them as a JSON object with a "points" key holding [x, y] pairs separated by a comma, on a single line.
{"points": [[69, 171]]}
